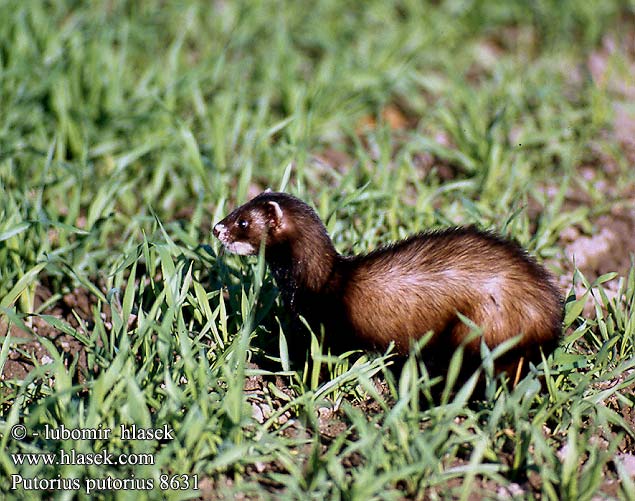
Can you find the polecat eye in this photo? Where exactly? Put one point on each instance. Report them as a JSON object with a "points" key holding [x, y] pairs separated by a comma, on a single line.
{"points": [[242, 224]]}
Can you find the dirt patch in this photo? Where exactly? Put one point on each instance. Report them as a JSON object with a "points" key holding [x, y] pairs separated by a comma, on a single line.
{"points": [[609, 249], [76, 310]]}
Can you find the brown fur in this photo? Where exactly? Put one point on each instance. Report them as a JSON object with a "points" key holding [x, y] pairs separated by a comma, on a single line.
{"points": [[399, 292]]}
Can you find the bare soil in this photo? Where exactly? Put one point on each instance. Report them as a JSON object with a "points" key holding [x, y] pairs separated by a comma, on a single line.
{"points": [[76, 309]]}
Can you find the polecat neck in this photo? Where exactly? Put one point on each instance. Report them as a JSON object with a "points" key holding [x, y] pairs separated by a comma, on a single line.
{"points": [[304, 261]]}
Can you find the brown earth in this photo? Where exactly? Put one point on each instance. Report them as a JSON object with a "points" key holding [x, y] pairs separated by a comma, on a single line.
{"points": [[76, 309]]}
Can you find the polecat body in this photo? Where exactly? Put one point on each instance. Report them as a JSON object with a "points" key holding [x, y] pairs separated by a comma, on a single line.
{"points": [[399, 292]]}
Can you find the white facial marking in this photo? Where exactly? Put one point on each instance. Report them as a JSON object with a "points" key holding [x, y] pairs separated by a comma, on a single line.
{"points": [[220, 228], [240, 248]]}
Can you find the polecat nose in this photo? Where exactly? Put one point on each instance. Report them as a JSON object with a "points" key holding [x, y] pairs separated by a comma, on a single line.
{"points": [[217, 229]]}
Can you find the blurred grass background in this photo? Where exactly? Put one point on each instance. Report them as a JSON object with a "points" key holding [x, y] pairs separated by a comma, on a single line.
{"points": [[128, 128]]}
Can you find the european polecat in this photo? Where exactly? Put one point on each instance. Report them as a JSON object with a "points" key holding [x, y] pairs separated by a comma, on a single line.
{"points": [[401, 291]]}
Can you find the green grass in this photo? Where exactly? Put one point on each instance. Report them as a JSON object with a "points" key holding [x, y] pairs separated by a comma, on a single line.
{"points": [[128, 128]]}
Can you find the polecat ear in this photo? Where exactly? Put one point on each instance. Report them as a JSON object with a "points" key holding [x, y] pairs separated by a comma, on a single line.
{"points": [[275, 212]]}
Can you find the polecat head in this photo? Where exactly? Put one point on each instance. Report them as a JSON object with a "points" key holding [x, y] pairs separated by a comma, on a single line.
{"points": [[270, 215]]}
